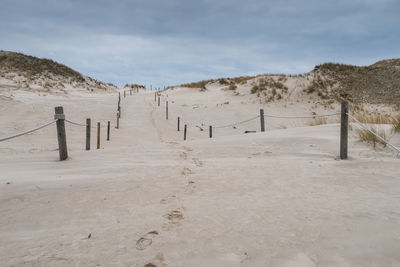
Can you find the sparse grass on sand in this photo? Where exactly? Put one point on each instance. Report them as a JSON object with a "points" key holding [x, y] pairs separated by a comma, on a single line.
{"points": [[396, 124], [374, 118], [201, 85], [368, 137], [317, 121]]}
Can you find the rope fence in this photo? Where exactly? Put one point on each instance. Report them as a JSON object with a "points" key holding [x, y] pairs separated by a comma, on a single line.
{"points": [[59, 119], [302, 117], [28, 131], [343, 125], [236, 123]]}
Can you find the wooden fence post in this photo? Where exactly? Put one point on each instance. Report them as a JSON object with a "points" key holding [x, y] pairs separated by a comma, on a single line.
{"points": [[61, 136], [210, 131], [166, 111], [179, 122], [344, 130], [117, 121], [262, 120], [119, 102], [155, 97], [98, 135], [184, 132], [158, 100], [88, 128], [124, 93], [108, 131]]}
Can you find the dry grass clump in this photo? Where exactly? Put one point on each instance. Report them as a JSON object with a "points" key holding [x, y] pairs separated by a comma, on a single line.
{"points": [[242, 79], [320, 86], [200, 84], [318, 121], [368, 137], [396, 124], [375, 118], [223, 81], [134, 86], [232, 87], [269, 88]]}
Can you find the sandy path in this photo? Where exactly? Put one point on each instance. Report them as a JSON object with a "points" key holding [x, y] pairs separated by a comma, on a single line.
{"points": [[272, 199]]}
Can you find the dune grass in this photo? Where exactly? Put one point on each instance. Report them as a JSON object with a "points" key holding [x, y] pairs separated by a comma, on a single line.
{"points": [[368, 137]]}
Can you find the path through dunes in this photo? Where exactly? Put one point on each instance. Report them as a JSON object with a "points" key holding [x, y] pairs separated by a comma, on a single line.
{"points": [[278, 198]]}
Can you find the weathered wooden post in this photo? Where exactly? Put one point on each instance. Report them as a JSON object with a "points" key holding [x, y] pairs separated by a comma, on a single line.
{"points": [[119, 102], [210, 131], [179, 122], [61, 136], [117, 121], [262, 120], [108, 131], [88, 127], [184, 132], [344, 130], [166, 111], [158, 100], [130, 91], [155, 97], [98, 135], [124, 93]]}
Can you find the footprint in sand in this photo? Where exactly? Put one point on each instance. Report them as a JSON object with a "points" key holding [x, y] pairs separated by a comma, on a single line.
{"points": [[186, 171], [173, 217], [168, 199], [188, 149], [183, 155], [145, 241], [190, 187], [198, 162]]}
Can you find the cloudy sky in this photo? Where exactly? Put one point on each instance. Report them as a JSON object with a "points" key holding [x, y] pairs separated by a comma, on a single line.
{"points": [[169, 42]]}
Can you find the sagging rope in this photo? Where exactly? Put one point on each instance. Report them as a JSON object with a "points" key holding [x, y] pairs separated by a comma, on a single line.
{"points": [[237, 123], [29, 131], [301, 117], [84, 125], [280, 117], [375, 134], [76, 123]]}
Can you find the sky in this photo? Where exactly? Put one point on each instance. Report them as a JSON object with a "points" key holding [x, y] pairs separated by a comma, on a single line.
{"points": [[170, 42]]}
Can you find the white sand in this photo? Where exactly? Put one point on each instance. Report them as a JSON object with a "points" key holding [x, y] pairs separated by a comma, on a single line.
{"points": [[279, 198]]}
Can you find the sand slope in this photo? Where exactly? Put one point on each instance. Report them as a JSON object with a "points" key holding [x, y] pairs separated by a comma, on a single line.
{"points": [[279, 198]]}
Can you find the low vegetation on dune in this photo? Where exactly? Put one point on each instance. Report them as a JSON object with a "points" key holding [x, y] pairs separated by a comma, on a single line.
{"points": [[135, 86], [270, 88], [378, 83], [45, 75], [31, 67], [201, 85]]}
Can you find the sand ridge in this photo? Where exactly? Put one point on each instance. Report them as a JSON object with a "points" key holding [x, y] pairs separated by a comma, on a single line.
{"points": [[279, 198]]}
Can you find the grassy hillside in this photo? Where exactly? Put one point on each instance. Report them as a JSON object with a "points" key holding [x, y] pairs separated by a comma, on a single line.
{"points": [[31, 67]]}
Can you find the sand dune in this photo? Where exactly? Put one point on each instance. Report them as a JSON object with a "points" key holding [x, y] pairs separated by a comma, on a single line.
{"points": [[279, 198]]}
